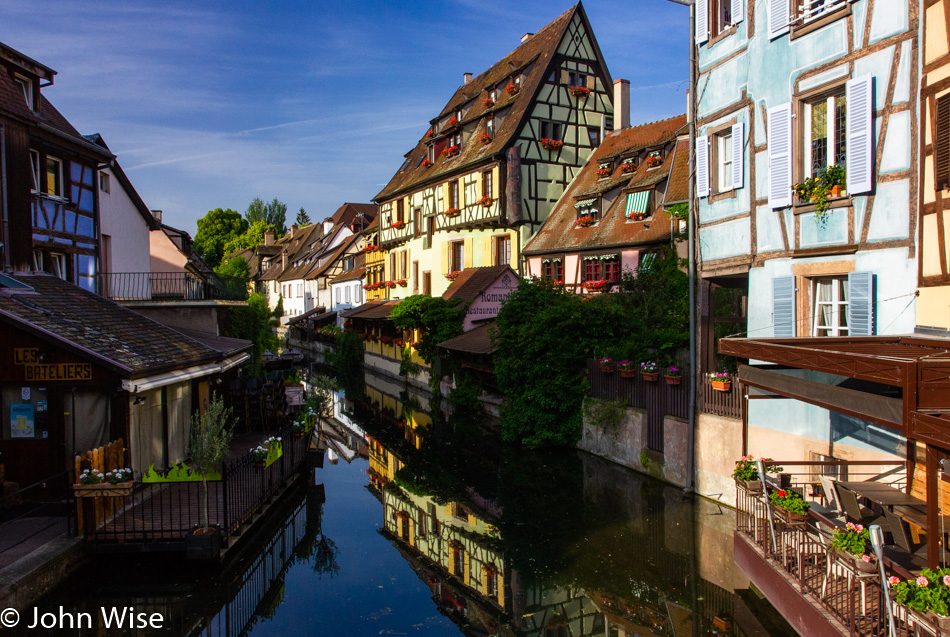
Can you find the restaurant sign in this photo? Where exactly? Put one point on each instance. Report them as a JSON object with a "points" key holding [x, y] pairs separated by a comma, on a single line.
{"points": [[35, 370]]}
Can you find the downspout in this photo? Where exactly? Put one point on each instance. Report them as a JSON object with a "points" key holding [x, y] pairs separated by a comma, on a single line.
{"points": [[691, 242], [5, 234]]}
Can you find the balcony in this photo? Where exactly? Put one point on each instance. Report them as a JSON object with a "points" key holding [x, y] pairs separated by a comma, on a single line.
{"points": [[158, 287]]}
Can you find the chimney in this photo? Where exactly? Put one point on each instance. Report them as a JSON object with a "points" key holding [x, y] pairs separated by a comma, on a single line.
{"points": [[283, 260], [327, 225], [268, 238], [466, 78], [526, 37], [293, 230], [621, 104], [158, 215]]}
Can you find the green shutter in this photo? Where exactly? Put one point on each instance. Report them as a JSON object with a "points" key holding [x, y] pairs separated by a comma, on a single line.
{"points": [[637, 202]]}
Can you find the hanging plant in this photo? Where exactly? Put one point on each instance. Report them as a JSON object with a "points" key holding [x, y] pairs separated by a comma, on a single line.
{"points": [[817, 190], [451, 276]]}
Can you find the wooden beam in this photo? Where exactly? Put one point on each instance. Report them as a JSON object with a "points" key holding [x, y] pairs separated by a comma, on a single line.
{"points": [[933, 506]]}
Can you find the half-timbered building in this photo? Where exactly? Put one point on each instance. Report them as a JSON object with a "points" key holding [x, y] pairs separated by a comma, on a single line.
{"points": [[495, 160]]}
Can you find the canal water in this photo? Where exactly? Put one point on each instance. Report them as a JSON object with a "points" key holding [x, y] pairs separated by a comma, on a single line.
{"points": [[439, 531]]}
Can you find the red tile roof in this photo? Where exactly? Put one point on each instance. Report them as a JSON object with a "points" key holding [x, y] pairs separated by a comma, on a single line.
{"points": [[475, 341], [473, 281]]}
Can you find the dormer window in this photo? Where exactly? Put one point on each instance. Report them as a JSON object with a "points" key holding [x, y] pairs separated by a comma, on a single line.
{"points": [[588, 213], [654, 159], [26, 86], [492, 96], [490, 126], [604, 170]]}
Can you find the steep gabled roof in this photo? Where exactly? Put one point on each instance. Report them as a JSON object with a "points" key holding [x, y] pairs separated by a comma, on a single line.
{"points": [[296, 246], [340, 251], [531, 60], [614, 229], [473, 281]]}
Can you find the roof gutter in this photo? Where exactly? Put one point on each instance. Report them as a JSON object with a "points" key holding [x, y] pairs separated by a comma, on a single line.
{"points": [[99, 150], [181, 375]]}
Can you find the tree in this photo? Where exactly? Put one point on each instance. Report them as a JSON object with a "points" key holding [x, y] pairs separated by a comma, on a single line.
{"points": [[210, 443], [252, 237], [437, 320], [303, 219], [273, 213], [233, 275], [255, 322], [215, 231]]}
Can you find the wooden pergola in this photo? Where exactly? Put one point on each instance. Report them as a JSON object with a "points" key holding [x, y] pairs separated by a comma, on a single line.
{"points": [[906, 388]]}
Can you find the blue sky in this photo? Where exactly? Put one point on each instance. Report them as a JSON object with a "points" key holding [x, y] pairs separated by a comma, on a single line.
{"points": [[209, 104]]}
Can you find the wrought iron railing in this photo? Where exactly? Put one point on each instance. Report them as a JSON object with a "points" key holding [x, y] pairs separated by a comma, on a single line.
{"points": [[172, 286]]}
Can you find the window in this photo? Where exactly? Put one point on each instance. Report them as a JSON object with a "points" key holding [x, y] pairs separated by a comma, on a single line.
{"points": [[591, 269], [399, 210], [427, 283], [812, 9], [300, 289], [491, 581], [454, 194], [551, 130], [723, 152], [38, 261], [830, 311], [503, 250], [430, 153], [715, 17], [490, 126], [458, 561], [54, 177], [720, 16], [104, 181], [588, 208], [347, 296], [415, 277], [575, 78], [347, 264], [26, 86], [35, 169], [457, 255], [593, 135], [487, 185], [57, 264], [338, 296], [942, 143], [357, 294], [824, 125], [553, 269]]}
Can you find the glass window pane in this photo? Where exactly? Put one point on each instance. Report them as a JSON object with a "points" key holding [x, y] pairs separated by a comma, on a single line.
{"points": [[840, 156], [819, 136]]}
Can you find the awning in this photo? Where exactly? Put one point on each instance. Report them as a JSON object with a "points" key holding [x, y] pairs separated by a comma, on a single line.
{"points": [[637, 202], [584, 203], [181, 375]]}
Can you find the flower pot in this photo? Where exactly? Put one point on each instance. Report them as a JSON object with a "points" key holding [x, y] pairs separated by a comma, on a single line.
{"points": [[260, 464], [299, 434], [940, 621], [628, 373], [859, 564], [203, 544], [749, 486], [673, 380], [608, 368], [836, 191], [650, 378], [103, 490], [721, 385], [790, 518]]}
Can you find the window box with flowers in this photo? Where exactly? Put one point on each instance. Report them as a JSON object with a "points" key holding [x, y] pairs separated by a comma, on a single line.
{"points": [[95, 484], [628, 166], [654, 160], [452, 151], [585, 221], [485, 201], [604, 171], [370, 247], [426, 163], [397, 224], [512, 89], [598, 285], [454, 274], [852, 546], [720, 381], [628, 369], [488, 102], [453, 212], [790, 507], [452, 122], [746, 473], [390, 284], [551, 144], [637, 216], [486, 138], [580, 91], [429, 134], [927, 596], [607, 365], [673, 376], [403, 283], [650, 371]]}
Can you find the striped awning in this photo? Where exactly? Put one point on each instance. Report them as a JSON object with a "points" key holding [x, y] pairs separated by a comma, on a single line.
{"points": [[584, 203], [637, 202]]}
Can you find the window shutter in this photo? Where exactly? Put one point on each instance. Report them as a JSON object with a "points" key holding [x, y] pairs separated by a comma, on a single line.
{"points": [[861, 304], [468, 252], [702, 21], [565, 77], [591, 82], [783, 306], [942, 143], [738, 11], [778, 18], [738, 146], [780, 155], [859, 98], [702, 166]]}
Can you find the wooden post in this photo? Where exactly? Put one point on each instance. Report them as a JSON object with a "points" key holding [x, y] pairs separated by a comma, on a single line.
{"points": [[933, 507]]}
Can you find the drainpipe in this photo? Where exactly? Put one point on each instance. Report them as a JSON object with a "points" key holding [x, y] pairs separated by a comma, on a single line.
{"points": [[5, 233]]}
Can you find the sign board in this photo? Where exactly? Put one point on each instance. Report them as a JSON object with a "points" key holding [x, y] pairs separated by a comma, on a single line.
{"points": [[486, 305], [34, 369], [22, 420]]}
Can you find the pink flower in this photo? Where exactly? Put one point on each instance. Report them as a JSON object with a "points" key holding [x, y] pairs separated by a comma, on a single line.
{"points": [[923, 581], [946, 580], [849, 526], [867, 558], [893, 579], [858, 528]]}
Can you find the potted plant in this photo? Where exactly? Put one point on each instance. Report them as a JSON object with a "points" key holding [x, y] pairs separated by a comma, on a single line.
{"points": [[551, 144], [654, 160], [453, 212], [604, 171], [720, 381], [301, 427], [486, 138], [852, 545], [637, 216], [585, 221], [267, 452], [628, 368], [834, 177], [488, 102], [93, 483], [746, 473], [452, 122], [673, 376], [390, 284], [485, 201], [427, 162], [649, 371], [790, 507], [209, 446], [451, 276], [817, 190], [597, 285], [926, 595], [429, 133], [512, 89], [628, 166], [580, 91], [403, 283], [607, 365], [451, 151]]}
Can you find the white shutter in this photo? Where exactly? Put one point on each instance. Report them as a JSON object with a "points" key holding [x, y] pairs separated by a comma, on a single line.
{"points": [[702, 21], [780, 155], [778, 18], [859, 151], [860, 304], [738, 11], [702, 166], [783, 307], [738, 159]]}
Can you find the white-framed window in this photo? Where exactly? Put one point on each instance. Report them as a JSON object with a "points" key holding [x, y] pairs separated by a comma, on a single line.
{"points": [[830, 311], [814, 9], [724, 160], [490, 126], [26, 86], [38, 261], [58, 265], [35, 169], [103, 181], [347, 295], [300, 289], [824, 129], [54, 177], [338, 296]]}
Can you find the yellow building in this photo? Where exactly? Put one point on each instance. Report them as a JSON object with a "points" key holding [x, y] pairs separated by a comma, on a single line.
{"points": [[488, 172]]}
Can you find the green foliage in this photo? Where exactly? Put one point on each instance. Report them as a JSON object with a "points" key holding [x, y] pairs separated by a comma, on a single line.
{"points": [[854, 539], [303, 219], [747, 468], [789, 500], [928, 592], [233, 267], [348, 363], [679, 211], [406, 366], [254, 322], [606, 414], [250, 238], [210, 442], [273, 213], [436, 319], [216, 230], [320, 397], [466, 406]]}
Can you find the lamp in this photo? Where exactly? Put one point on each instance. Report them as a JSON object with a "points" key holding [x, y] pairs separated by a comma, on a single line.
{"points": [[760, 466], [877, 543], [138, 400]]}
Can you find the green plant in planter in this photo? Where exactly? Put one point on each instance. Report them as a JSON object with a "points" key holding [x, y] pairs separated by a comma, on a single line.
{"points": [[853, 539], [789, 500], [747, 469], [210, 444], [928, 592], [817, 189]]}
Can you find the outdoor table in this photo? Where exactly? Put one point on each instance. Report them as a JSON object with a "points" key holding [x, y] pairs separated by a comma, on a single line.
{"points": [[919, 517], [883, 494]]}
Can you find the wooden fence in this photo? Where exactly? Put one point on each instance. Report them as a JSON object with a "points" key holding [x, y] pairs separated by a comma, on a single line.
{"points": [[104, 459], [720, 403]]}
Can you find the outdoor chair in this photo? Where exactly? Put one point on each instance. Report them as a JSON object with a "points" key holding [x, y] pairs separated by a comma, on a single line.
{"points": [[904, 553], [857, 513], [832, 501]]}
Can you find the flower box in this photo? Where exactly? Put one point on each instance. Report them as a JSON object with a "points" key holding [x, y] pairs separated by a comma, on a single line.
{"points": [[260, 464], [551, 144], [608, 368], [453, 212], [452, 122], [650, 377], [585, 222], [403, 283], [451, 276], [427, 162], [603, 172], [512, 89], [654, 160], [628, 373], [488, 102], [790, 518], [485, 139], [672, 380], [721, 385], [628, 167], [390, 284], [749, 486], [103, 490], [856, 561], [397, 224], [637, 216], [580, 91], [452, 151], [485, 201]]}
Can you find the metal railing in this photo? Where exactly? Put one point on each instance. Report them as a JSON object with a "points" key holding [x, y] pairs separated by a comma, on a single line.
{"points": [[172, 286], [802, 551]]}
